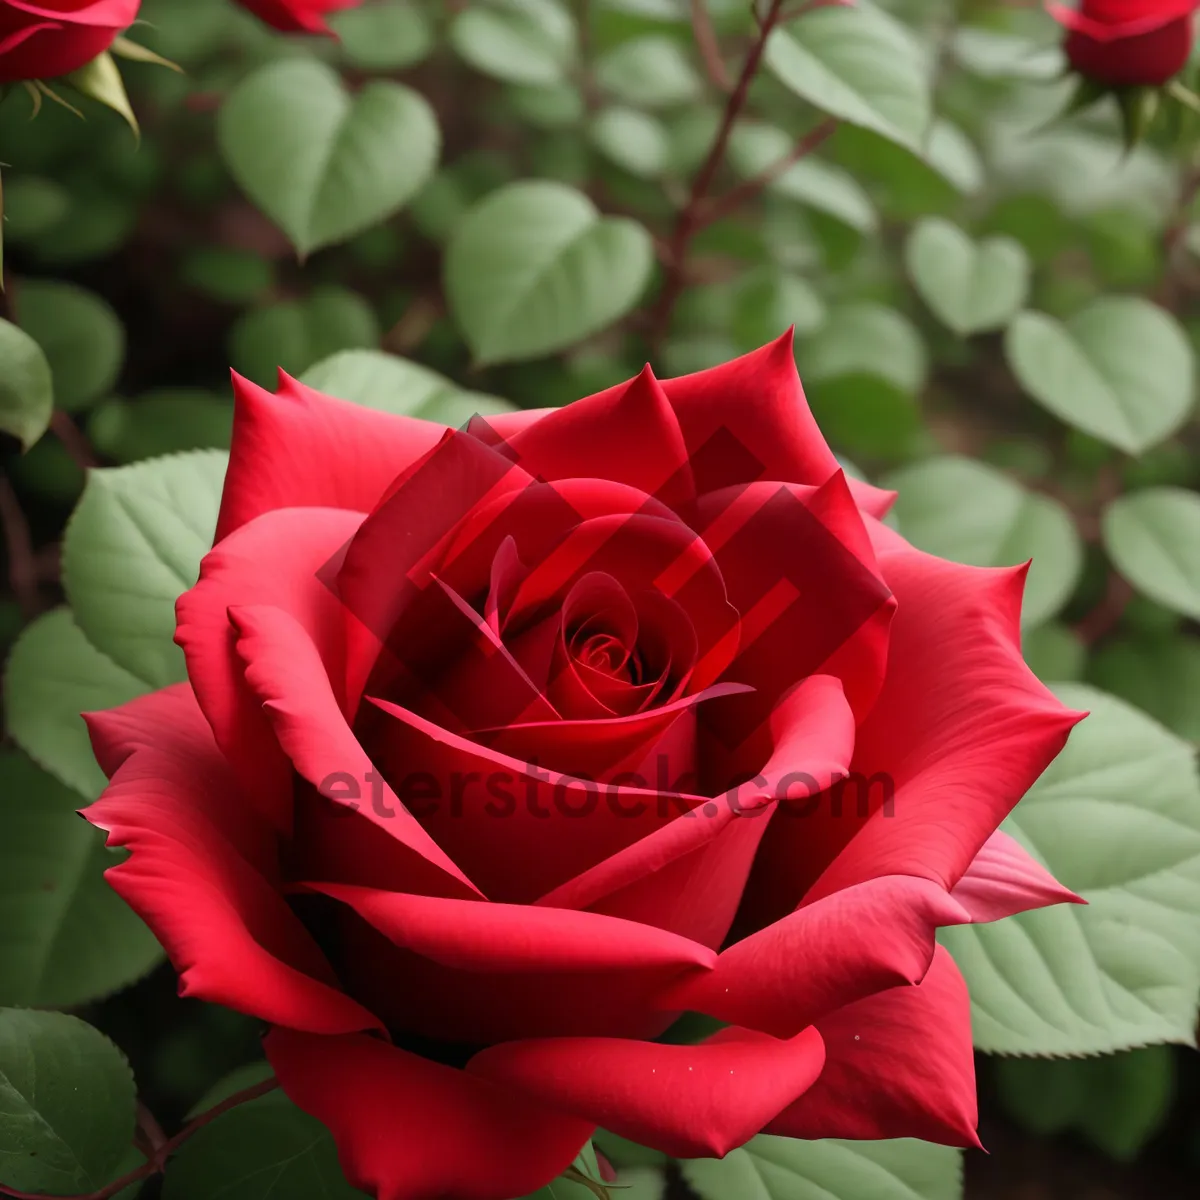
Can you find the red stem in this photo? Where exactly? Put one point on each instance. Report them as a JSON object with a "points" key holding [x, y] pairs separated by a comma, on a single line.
{"points": [[73, 440], [22, 563], [688, 222]]}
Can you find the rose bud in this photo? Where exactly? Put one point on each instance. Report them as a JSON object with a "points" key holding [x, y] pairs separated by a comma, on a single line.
{"points": [[55, 37], [1127, 43]]}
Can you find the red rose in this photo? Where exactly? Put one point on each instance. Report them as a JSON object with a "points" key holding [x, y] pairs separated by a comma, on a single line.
{"points": [[504, 747], [41, 39], [297, 16], [1128, 43]]}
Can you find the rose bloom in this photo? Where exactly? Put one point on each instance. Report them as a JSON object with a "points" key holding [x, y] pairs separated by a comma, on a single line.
{"points": [[504, 747], [297, 16], [1128, 43], [41, 39]]}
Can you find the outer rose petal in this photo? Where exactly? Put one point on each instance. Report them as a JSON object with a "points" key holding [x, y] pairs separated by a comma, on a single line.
{"points": [[296, 16], [962, 729], [299, 448], [628, 434], [410, 1129], [749, 411], [273, 560], [1004, 880], [199, 870], [831, 953], [688, 1101], [38, 41], [1114, 20], [899, 1064]]}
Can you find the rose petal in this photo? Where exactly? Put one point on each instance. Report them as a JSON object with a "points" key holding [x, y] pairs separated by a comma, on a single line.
{"points": [[822, 607], [824, 956], [961, 731], [483, 936], [515, 827], [274, 560], [747, 420], [690, 875], [1004, 880], [200, 873], [1118, 20], [687, 1101], [285, 673], [628, 433], [899, 1064], [298, 448], [409, 1129]]}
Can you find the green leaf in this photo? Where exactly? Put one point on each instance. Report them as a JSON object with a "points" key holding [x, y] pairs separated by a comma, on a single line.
{"points": [[953, 155], [649, 72], [26, 386], [534, 268], [517, 41], [1121, 370], [1153, 537], [1054, 653], [391, 384], [132, 547], [297, 333], [33, 205], [322, 163], [1118, 1101], [52, 1140], [66, 938], [161, 422], [995, 55], [854, 64], [960, 509], [1116, 818], [81, 336], [264, 1148], [1161, 675], [384, 37], [633, 140], [53, 674], [767, 301], [777, 1168], [755, 147], [869, 339], [864, 413], [230, 276], [969, 286]]}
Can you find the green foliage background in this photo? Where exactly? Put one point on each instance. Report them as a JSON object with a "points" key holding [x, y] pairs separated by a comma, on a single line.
{"points": [[456, 208]]}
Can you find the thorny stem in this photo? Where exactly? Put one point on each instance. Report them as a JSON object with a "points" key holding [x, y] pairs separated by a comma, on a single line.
{"points": [[693, 217], [722, 206], [158, 1162]]}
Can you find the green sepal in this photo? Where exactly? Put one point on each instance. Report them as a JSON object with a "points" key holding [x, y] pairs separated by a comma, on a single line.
{"points": [[122, 47], [1139, 107], [100, 80], [1087, 92]]}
